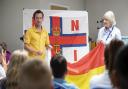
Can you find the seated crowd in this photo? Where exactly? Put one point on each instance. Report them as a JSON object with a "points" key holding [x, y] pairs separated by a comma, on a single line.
{"points": [[21, 72]]}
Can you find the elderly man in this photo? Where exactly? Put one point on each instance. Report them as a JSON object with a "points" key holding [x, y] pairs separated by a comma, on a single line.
{"points": [[109, 31]]}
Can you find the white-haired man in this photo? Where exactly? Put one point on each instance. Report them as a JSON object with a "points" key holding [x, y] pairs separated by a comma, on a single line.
{"points": [[109, 31]]}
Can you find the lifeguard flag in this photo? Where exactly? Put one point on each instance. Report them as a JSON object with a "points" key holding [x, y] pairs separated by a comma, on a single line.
{"points": [[91, 64]]}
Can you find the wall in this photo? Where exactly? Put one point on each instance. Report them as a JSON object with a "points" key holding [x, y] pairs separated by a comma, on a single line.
{"points": [[1, 35], [97, 8], [12, 17]]}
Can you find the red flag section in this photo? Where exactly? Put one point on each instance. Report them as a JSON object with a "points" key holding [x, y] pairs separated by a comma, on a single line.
{"points": [[93, 59], [82, 71], [58, 39]]}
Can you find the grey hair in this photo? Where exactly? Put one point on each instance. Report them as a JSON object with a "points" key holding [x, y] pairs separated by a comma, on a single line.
{"points": [[110, 16]]}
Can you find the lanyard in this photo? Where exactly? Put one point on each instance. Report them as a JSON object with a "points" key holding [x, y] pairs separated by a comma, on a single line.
{"points": [[109, 33]]}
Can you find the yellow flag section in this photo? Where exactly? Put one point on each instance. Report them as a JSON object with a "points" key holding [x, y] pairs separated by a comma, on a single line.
{"points": [[91, 64]]}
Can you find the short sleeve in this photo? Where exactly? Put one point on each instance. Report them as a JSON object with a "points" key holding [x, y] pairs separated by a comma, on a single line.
{"points": [[27, 37], [99, 38], [118, 35], [47, 39]]}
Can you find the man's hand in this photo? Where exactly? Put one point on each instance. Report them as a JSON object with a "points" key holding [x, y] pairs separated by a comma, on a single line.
{"points": [[49, 47], [39, 53]]}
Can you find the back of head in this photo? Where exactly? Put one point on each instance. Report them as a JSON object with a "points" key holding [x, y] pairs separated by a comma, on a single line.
{"points": [[34, 74], [110, 16], [114, 47], [121, 68], [18, 57], [59, 66]]}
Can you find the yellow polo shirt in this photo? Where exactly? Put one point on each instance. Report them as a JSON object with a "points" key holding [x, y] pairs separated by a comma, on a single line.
{"points": [[37, 40]]}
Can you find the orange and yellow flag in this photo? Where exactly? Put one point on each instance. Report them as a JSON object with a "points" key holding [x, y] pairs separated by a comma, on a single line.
{"points": [[91, 64]]}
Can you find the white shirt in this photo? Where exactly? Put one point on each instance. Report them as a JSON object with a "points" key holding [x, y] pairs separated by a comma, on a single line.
{"points": [[101, 81], [2, 72], [106, 35]]}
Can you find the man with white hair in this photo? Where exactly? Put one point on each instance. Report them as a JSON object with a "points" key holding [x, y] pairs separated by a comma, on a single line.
{"points": [[109, 31]]}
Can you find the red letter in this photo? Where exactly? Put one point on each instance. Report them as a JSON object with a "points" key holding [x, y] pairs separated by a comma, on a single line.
{"points": [[75, 55], [75, 25]]}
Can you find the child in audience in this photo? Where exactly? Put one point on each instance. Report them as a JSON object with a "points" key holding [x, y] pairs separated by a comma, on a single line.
{"points": [[18, 57], [59, 69], [35, 74]]}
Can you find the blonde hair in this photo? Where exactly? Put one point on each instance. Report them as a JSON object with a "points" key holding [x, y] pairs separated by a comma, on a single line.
{"points": [[18, 57], [34, 74], [110, 16]]}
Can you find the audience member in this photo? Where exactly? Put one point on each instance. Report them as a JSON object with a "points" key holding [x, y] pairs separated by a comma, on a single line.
{"points": [[35, 74], [59, 69], [18, 57], [119, 73], [114, 47]]}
